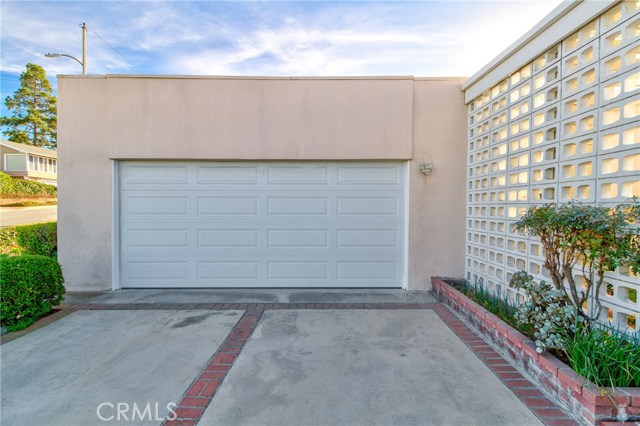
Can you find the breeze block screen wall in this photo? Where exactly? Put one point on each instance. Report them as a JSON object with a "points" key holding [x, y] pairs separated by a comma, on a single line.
{"points": [[564, 126]]}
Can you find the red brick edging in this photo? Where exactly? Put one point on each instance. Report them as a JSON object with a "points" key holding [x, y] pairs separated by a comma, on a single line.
{"points": [[544, 408], [593, 405], [198, 396]]}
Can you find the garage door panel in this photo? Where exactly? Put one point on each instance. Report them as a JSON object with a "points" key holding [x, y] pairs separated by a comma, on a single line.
{"points": [[225, 175], [159, 205], [222, 205], [368, 238], [155, 174], [262, 225], [296, 270], [227, 238], [367, 270], [294, 205], [157, 270], [298, 238], [152, 238], [297, 175], [225, 271], [369, 206], [350, 175]]}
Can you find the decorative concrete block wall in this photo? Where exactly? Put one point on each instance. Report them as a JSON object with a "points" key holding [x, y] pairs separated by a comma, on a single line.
{"points": [[564, 126]]}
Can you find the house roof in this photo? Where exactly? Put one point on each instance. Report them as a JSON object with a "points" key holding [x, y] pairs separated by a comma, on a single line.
{"points": [[30, 149]]}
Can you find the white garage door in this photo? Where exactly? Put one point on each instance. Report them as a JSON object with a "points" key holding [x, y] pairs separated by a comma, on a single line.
{"points": [[206, 224]]}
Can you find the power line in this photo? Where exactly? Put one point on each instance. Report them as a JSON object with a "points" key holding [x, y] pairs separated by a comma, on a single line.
{"points": [[114, 49]]}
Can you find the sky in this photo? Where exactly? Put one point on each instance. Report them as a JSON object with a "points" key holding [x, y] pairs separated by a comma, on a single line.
{"points": [[270, 38]]}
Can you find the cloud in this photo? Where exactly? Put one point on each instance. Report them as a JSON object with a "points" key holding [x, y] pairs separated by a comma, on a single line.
{"points": [[267, 38]]}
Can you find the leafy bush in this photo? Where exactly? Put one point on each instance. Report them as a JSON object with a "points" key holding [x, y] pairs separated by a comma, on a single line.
{"points": [[545, 311], [598, 239], [6, 184], [605, 357], [41, 238], [9, 241], [34, 189], [29, 286], [19, 188]]}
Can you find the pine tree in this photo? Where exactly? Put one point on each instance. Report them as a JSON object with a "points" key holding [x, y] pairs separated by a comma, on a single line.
{"points": [[33, 110]]}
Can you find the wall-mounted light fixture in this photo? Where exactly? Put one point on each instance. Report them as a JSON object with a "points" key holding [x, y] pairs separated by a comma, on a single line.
{"points": [[426, 168]]}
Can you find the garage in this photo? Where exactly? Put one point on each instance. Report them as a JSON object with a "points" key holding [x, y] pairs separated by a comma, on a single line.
{"points": [[195, 224]]}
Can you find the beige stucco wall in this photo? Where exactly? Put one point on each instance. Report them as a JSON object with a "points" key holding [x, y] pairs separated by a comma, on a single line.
{"points": [[84, 184], [102, 119], [260, 119], [437, 201]]}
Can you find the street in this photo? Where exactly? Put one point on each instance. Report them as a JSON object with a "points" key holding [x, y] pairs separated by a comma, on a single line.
{"points": [[12, 216]]}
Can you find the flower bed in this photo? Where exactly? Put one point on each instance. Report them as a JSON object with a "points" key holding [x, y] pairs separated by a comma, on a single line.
{"points": [[585, 400]]}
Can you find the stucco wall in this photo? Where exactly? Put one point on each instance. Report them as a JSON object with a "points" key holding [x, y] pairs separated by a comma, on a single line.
{"points": [[84, 184], [437, 201], [260, 119], [102, 119]]}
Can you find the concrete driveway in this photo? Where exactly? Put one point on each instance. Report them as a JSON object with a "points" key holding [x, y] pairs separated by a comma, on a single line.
{"points": [[148, 357], [13, 216]]}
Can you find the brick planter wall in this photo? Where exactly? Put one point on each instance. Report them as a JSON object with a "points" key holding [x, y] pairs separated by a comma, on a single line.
{"points": [[580, 396]]}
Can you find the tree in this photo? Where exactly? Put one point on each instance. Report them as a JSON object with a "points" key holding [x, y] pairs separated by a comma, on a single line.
{"points": [[33, 110], [595, 239]]}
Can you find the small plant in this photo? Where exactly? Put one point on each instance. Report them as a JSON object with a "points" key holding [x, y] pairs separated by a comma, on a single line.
{"points": [[606, 357], [29, 286], [545, 311], [598, 239], [495, 302]]}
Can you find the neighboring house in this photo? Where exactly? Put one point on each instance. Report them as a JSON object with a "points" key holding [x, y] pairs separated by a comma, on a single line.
{"points": [[22, 161], [317, 182]]}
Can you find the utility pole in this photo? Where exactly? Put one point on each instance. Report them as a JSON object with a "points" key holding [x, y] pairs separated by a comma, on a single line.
{"points": [[84, 48]]}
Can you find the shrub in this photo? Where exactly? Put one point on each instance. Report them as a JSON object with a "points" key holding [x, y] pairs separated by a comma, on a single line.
{"points": [[40, 238], [6, 184], [19, 188], [598, 239], [29, 286], [31, 188], [9, 241], [608, 358], [545, 311]]}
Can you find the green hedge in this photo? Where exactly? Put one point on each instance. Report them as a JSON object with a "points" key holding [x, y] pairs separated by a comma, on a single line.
{"points": [[19, 188], [6, 184], [29, 286], [40, 238], [9, 241]]}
